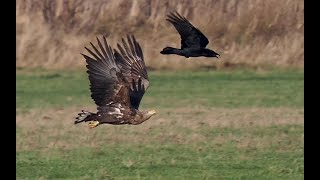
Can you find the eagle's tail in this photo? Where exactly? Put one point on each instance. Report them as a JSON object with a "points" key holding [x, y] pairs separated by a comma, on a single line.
{"points": [[84, 116]]}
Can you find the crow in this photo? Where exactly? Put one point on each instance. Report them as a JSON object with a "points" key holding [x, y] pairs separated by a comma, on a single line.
{"points": [[193, 41]]}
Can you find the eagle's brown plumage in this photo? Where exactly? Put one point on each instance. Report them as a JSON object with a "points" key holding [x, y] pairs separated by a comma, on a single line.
{"points": [[118, 81]]}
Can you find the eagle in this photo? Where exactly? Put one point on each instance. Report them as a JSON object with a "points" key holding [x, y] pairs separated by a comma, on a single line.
{"points": [[193, 41], [118, 81]]}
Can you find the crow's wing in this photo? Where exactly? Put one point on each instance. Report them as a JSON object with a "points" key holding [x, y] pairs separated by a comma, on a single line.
{"points": [[191, 37]]}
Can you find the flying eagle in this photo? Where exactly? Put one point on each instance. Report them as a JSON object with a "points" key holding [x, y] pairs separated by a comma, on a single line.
{"points": [[193, 41], [118, 81]]}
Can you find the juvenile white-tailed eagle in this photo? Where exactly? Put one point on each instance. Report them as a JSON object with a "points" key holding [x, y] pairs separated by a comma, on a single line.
{"points": [[118, 81], [193, 41]]}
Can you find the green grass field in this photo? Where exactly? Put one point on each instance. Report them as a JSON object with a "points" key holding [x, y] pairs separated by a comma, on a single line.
{"points": [[239, 124]]}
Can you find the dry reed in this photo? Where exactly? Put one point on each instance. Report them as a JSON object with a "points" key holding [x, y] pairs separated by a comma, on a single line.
{"points": [[255, 33]]}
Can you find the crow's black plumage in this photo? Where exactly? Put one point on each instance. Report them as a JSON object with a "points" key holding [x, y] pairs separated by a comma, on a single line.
{"points": [[193, 41]]}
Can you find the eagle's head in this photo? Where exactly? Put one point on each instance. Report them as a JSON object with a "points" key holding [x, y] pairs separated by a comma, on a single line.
{"points": [[143, 116], [150, 113]]}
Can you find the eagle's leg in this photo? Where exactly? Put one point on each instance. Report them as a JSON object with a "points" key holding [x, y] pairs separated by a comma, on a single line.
{"points": [[85, 116], [93, 124]]}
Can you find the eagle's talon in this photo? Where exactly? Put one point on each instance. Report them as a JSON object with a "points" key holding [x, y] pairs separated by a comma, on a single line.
{"points": [[93, 124]]}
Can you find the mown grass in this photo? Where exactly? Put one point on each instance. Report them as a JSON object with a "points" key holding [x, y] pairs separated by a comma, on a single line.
{"points": [[239, 124], [165, 161], [51, 89], [207, 160], [171, 89]]}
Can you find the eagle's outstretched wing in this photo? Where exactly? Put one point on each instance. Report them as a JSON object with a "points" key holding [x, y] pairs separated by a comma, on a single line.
{"points": [[191, 37], [131, 63], [106, 80]]}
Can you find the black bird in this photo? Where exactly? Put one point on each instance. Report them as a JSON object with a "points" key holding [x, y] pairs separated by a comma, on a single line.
{"points": [[193, 41]]}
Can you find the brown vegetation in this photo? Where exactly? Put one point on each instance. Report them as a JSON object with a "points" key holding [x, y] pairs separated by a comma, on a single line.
{"points": [[52, 33]]}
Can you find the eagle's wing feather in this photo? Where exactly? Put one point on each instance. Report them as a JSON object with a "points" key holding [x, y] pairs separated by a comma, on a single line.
{"points": [[131, 63], [106, 80]]}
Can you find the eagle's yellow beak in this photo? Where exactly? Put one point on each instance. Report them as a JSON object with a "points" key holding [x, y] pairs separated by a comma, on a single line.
{"points": [[152, 112]]}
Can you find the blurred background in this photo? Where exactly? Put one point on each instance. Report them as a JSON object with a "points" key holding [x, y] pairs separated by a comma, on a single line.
{"points": [[53, 33], [237, 117]]}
